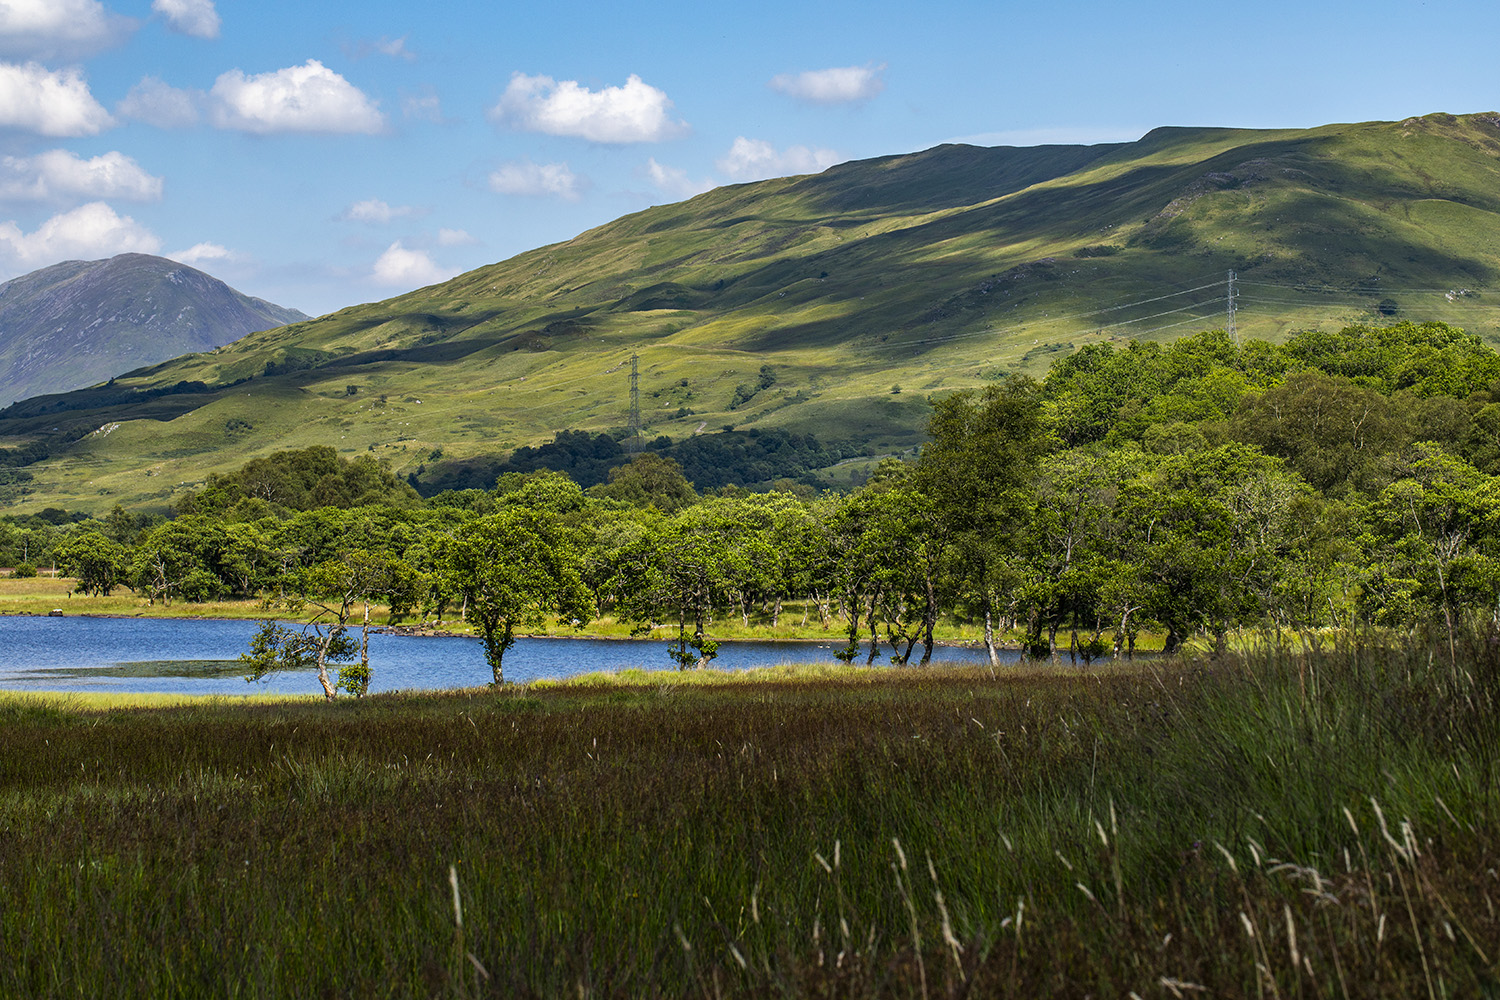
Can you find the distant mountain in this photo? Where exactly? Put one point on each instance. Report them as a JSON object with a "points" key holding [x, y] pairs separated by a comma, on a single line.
{"points": [[81, 322], [832, 304]]}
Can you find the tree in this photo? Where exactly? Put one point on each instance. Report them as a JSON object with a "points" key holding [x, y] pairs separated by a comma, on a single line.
{"points": [[334, 587], [651, 480], [98, 563], [514, 569], [976, 476], [684, 567], [1440, 525]]}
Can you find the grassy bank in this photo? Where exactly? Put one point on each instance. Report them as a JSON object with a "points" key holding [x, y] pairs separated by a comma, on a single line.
{"points": [[39, 595], [1276, 825]]}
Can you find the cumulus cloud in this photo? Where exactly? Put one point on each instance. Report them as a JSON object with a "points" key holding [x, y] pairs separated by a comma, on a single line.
{"points": [[537, 180], [843, 85], [376, 211], [306, 98], [203, 253], [674, 181], [636, 112], [157, 103], [39, 100], [58, 175], [455, 238], [756, 159], [88, 232], [402, 268], [190, 17], [66, 29]]}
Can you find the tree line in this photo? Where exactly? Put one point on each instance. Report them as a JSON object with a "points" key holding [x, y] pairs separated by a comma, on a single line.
{"points": [[1183, 490]]}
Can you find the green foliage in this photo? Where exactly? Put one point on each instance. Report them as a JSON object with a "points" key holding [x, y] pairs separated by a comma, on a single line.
{"points": [[1188, 490], [96, 562], [648, 480], [513, 569], [303, 480]]}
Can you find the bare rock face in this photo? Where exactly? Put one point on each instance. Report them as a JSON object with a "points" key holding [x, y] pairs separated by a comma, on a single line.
{"points": [[81, 322]]}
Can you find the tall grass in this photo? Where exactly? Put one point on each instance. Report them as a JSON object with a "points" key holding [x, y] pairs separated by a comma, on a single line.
{"points": [[1311, 823]]}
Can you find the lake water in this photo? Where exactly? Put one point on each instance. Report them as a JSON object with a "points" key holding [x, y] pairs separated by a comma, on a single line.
{"points": [[79, 653]]}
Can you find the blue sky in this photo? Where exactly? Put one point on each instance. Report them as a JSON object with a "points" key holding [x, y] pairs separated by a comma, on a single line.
{"points": [[325, 154]]}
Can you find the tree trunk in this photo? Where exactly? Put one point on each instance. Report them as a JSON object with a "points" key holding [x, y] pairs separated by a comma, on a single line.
{"points": [[364, 655], [329, 691], [989, 638], [776, 613], [497, 661]]}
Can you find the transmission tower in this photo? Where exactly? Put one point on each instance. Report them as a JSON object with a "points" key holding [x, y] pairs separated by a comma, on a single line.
{"points": [[634, 443], [1229, 312]]}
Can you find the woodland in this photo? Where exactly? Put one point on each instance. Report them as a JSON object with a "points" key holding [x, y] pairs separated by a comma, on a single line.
{"points": [[1180, 492]]}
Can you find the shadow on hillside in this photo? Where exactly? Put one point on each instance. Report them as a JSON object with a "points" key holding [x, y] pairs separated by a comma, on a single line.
{"points": [[945, 177]]}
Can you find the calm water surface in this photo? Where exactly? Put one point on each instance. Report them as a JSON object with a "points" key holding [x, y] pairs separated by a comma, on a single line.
{"points": [[196, 657]]}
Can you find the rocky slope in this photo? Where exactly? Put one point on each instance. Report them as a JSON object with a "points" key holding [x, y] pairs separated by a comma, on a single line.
{"points": [[81, 322]]}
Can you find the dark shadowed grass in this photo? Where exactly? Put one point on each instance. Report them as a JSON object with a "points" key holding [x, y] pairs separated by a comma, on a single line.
{"points": [[1311, 824]]}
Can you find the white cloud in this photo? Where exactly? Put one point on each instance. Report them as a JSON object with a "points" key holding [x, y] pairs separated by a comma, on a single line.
{"points": [[376, 211], [39, 100], [58, 175], [157, 103], [424, 107], [88, 232], [306, 98], [636, 112], [46, 29], [674, 181], [537, 180], [384, 46], [203, 253], [756, 159], [843, 85], [403, 268], [190, 17], [455, 238]]}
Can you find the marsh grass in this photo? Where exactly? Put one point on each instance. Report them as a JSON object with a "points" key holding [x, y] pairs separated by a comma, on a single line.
{"points": [[1278, 824]]}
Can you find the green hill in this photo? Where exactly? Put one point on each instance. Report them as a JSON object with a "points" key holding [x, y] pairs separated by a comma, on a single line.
{"points": [[804, 303]]}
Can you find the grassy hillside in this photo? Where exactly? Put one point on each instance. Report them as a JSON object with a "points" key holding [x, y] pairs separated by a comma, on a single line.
{"points": [[925, 271]]}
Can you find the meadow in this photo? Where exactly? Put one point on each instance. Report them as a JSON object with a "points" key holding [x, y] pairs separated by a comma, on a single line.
{"points": [[1272, 824]]}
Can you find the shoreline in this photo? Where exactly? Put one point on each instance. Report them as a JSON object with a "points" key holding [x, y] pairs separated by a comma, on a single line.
{"points": [[422, 631]]}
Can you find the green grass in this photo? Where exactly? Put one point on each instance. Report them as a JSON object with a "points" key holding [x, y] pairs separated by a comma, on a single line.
{"points": [[933, 270], [890, 833]]}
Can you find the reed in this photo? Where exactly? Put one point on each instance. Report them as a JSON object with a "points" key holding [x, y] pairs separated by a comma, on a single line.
{"points": [[1308, 822]]}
